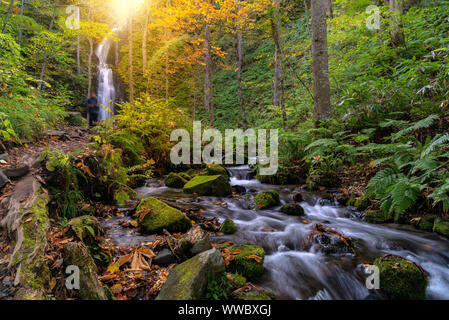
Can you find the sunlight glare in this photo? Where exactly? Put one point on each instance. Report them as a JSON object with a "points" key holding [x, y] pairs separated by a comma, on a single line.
{"points": [[124, 8]]}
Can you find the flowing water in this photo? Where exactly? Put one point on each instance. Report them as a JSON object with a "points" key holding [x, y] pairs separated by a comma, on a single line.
{"points": [[106, 84], [294, 272]]}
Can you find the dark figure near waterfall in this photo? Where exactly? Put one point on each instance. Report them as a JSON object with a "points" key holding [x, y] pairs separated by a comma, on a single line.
{"points": [[93, 109]]}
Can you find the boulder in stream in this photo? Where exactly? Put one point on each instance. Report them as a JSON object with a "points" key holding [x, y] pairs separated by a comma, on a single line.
{"points": [[228, 227], [153, 216], [209, 186], [247, 261], [216, 169], [175, 180], [401, 279], [292, 209], [329, 241], [441, 226], [267, 199], [190, 279]]}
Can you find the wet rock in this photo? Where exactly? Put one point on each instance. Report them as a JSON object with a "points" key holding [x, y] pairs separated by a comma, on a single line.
{"points": [[164, 258], [378, 216], [329, 241], [216, 169], [85, 229], [425, 223], [190, 279], [3, 179], [292, 209], [401, 279], [298, 197], [201, 246], [77, 254], [209, 186], [175, 180], [185, 176], [362, 203], [160, 216], [254, 295], [15, 173], [61, 135], [267, 199], [441, 226], [248, 261], [228, 227], [4, 157], [239, 189]]}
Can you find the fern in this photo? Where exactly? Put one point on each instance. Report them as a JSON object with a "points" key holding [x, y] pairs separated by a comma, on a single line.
{"points": [[422, 124], [437, 142], [440, 195]]}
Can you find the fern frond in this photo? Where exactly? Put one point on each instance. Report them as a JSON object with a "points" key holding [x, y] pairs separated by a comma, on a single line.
{"points": [[437, 141], [422, 124]]}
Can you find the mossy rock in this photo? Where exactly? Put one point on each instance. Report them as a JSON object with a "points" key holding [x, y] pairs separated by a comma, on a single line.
{"points": [[190, 279], [175, 180], [216, 169], [401, 279], [267, 199], [209, 186], [362, 203], [235, 280], [378, 216], [254, 295], [160, 217], [245, 263], [427, 223], [228, 227], [85, 228], [292, 209], [441, 226], [192, 173], [77, 254], [185, 176]]}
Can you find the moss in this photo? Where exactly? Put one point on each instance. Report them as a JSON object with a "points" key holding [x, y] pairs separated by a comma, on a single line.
{"points": [[216, 169], [441, 226], [235, 280], [175, 180], [401, 279], [427, 223], [267, 199], [378, 216], [77, 254], [30, 258], [192, 173], [209, 186], [185, 176], [228, 227], [85, 228], [161, 216], [255, 295], [362, 203], [292, 209], [246, 265]]}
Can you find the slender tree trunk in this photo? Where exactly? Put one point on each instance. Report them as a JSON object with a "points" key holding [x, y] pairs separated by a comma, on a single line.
{"points": [[78, 55], [89, 66], [5, 23], [397, 37], [306, 11], [131, 68], [278, 81], [208, 104], [144, 42], [44, 65], [320, 61], [240, 62], [21, 23], [331, 9], [167, 79]]}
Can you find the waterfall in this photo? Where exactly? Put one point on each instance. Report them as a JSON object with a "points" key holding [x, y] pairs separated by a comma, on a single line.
{"points": [[106, 88]]}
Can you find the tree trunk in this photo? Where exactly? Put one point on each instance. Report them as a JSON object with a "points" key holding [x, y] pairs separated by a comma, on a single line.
{"points": [[78, 55], [89, 67], [208, 104], [144, 42], [131, 69], [21, 23], [44, 65], [397, 37], [320, 61], [306, 11], [240, 62], [278, 81], [167, 80], [5, 23]]}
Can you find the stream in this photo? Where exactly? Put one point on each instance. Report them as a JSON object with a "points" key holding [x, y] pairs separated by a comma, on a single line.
{"points": [[292, 272]]}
